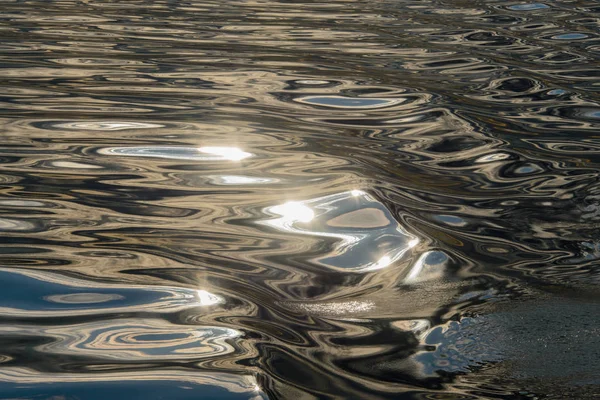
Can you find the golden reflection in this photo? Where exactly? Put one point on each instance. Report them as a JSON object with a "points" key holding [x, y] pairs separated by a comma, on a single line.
{"points": [[133, 339], [356, 103], [105, 125]]}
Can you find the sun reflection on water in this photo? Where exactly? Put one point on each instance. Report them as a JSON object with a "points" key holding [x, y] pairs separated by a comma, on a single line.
{"points": [[208, 299], [367, 236], [294, 211], [229, 153]]}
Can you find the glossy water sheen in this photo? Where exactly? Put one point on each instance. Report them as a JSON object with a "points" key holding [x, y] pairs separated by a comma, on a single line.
{"points": [[296, 200]]}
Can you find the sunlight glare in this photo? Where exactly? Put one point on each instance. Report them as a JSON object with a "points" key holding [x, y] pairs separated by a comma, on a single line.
{"points": [[294, 211], [208, 299], [229, 153]]}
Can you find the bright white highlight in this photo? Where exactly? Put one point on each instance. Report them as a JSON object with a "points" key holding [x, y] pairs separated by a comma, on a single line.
{"points": [[208, 299], [229, 153], [381, 263], [294, 211]]}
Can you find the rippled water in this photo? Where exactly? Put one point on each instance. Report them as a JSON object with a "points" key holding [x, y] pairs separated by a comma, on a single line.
{"points": [[298, 200]]}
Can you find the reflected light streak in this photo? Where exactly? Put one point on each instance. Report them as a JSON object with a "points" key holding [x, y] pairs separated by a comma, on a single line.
{"points": [[429, 266], [179, 152], [416, 269], [240, 180], [229, 153]]}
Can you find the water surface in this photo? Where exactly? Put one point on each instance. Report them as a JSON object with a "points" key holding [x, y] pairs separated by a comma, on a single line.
{"points": [[300, 200]]}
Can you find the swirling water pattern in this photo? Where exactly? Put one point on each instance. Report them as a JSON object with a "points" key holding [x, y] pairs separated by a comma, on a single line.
{"points": [[277, 199]]}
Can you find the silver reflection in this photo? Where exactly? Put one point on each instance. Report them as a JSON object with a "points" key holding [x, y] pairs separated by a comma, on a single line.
{"points": [[59, 296], [239, 180], [356, 103], [106, 125], [208, 153], [208, 299], [430, 265], [367, 236]]}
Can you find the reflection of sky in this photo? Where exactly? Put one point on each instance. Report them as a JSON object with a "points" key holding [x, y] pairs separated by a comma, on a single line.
{"points": [[570, 36], [180, 384], [429, 265], [350, 102], [334, 308], [208, 153], [367, 235], [528, 7], [52, 294]]}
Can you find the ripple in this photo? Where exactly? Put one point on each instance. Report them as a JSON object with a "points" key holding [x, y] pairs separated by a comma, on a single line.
{"points": [[528, 6], [73, 165], [135, 339], [348, 102], [474, 341], [570, 36], [84, 298], [180, 153], [21, 382], [492, 157], [233, 180], [181, 213], [105, 125], [8, 224], [431, 265], [332, 308], [95, 61], [52, 295], [21, 203], [368, 236]]}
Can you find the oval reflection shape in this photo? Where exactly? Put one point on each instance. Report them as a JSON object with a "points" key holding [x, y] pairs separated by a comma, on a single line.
{"points": [[84, 298], [349, 102], [528, 7], [570, 36], [180, 153], [137, 339], [105, 125]]}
